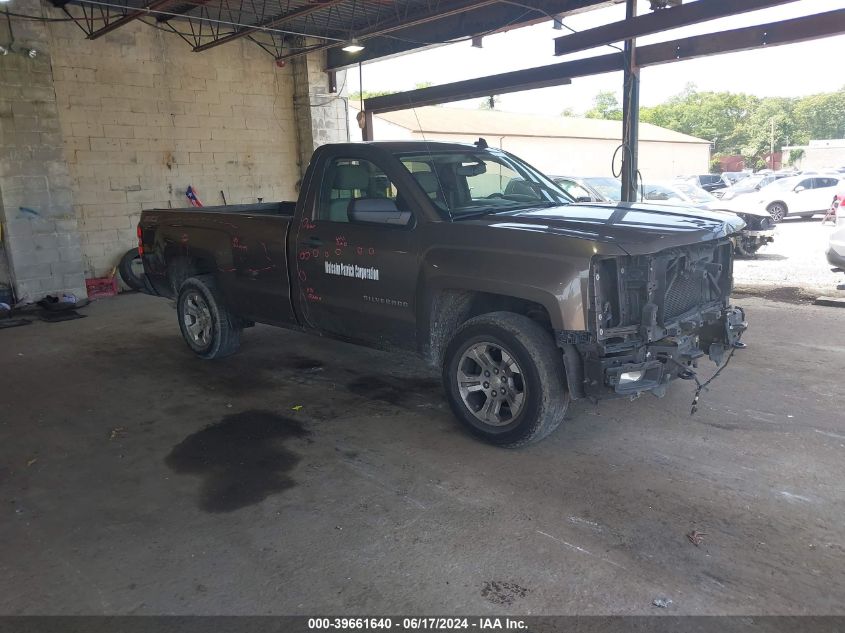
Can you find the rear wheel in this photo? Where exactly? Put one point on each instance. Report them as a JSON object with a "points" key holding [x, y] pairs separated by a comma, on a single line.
{"points": [[207, 326], [131, 270], [504, 379], [777, 210]]}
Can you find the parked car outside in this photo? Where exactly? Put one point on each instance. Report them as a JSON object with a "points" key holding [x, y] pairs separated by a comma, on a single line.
{"points": [[802, 196], [708, 182], [733, 177], [759, 226], [580, 189], [747, 185], [609, 188]]}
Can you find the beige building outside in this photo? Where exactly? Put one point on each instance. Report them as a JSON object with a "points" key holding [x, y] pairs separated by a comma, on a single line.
{"points": [[555, 145]]}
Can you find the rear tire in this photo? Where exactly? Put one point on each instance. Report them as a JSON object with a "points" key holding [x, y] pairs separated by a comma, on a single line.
{"points": [[504, 379], [207, 326], [128, 270], [778, 211]]}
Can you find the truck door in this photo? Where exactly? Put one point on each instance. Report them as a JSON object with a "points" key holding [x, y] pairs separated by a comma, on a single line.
{"points": [[357, 280]]}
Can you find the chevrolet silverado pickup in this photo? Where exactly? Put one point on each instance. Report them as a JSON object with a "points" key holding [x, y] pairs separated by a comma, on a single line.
{"points": [[470, 257]]}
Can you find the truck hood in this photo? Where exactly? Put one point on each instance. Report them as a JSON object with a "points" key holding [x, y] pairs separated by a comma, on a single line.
{"points": [[635, 228]]}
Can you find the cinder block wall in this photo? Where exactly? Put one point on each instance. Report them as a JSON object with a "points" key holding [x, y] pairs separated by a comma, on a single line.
{"points": [[40, 240], [143, 118], [95, 131]]}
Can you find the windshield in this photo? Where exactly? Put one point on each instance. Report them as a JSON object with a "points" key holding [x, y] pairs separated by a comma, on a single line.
{"points": [[610, 188], [573, 188], [696, 194], [747, 184], [783, 184], [661, 192], [470, 182]]}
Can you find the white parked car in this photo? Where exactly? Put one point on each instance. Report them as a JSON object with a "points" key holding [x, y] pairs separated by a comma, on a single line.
{"points": [[759, 225], [802, 196]]}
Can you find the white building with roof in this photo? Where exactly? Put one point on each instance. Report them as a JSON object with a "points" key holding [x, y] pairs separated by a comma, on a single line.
{"points": [[555, 145]]}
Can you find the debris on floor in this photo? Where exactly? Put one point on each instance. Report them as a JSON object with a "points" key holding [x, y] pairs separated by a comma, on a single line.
{"points": [[30, 462], [696, 538], [117, 432], [663, 603], [56, 317], [296, 408]]}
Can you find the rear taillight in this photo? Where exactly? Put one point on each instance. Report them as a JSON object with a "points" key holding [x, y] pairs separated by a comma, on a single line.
{"points": [[140, 240]]}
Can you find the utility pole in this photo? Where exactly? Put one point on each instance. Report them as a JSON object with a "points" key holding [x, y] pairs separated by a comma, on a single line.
{"points": [[630, 113], [772, 147]]}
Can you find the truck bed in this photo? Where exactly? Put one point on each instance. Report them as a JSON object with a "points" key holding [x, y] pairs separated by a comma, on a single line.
{"points": [[284, 208]]}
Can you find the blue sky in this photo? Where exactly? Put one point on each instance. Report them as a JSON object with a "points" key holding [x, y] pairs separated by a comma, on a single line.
{"points": [[792, 70]]}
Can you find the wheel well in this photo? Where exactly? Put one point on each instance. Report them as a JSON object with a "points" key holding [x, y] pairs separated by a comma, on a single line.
{"points": [[451, 308], [180, 267], [780, 202]]}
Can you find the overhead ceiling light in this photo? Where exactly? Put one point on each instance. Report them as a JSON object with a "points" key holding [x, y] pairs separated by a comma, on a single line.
{"points": [[353, 47]]}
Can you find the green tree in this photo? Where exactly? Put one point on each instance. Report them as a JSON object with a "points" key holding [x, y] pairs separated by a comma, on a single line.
{"points": [[605, 106], [822, 115], [721, 117]]}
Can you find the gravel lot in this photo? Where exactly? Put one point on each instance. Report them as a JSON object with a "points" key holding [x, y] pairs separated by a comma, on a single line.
{"points": [[794, 266]]}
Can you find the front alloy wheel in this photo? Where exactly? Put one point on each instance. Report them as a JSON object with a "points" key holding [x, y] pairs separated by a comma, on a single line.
{"points": [[491, 383], [504, 378]]}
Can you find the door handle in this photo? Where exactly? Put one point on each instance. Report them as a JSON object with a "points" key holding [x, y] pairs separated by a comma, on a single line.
{"points": [[314, 241]]}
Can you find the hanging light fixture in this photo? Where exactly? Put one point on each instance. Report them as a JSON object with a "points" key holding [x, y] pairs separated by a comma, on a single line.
{"points": [[354, 46]]}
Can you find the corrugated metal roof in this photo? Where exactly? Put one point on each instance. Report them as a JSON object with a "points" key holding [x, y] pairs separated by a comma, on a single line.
{"points": [[437, 119]]}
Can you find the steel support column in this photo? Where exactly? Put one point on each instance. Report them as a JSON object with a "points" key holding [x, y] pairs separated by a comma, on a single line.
{"points": [[630, 114]]}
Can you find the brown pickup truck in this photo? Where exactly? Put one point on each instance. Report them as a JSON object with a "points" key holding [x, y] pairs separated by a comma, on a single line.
{"points": [[470, 257]]}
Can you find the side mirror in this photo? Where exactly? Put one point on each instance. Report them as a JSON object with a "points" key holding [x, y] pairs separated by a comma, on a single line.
{"points": [[799, 189], [377, 211]]}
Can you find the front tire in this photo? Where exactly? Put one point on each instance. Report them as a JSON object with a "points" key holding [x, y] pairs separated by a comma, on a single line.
{"points": [[207, 326], [778, 211], [504, 379]]}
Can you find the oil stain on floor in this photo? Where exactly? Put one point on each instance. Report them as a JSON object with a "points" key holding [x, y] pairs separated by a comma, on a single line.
{"points": [[242, 459]]}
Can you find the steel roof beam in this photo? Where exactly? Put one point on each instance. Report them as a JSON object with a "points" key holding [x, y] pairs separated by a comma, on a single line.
{"points": [[657, 22], [805, 28], [269, 24], [465, 22], [764, 35], [388, 26], [129, 17]]}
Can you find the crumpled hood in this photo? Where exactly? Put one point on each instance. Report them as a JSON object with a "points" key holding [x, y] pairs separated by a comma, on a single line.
{"points": [[635, 228]]}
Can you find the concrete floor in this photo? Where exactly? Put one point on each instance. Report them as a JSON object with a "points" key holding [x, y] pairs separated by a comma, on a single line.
{"points": [[136, 479]]}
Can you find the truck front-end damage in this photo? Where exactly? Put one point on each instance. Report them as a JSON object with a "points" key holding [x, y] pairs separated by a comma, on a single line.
{"points": [[652, 317]]}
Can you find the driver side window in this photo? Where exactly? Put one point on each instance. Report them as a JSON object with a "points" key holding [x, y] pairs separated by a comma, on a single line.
{"points": [[348, 179]]}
